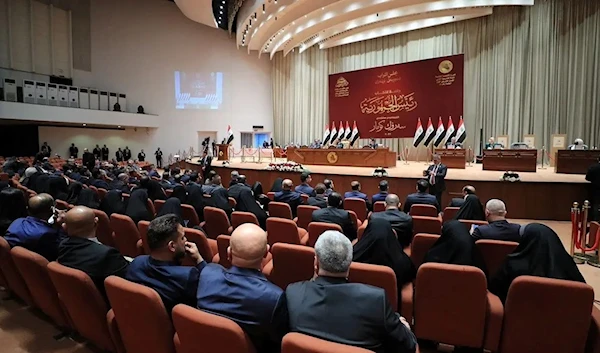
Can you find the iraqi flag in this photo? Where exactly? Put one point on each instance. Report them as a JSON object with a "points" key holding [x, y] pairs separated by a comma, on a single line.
{"points": [[326, 134], [348, 133], [229, 134], [439, 133], [419, 135], [355, 135], [341, 131], [450, 132], [461, 133], [334, 133], [429, 133]]}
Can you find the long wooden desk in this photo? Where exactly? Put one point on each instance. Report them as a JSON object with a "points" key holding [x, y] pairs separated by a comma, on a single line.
{"points": [[380, 157], [452, 158], [575, 161], [510, 160]]}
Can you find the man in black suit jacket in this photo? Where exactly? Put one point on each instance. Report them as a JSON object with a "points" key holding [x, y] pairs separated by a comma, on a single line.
{"points": [[332, 309], [206, 164], [334, 214], [319, 199], [421, 197], [593, 176], [400, 221], [82, 251], [458, 201], [289, 196], [436, 174], [498, 227], [235, 189]]}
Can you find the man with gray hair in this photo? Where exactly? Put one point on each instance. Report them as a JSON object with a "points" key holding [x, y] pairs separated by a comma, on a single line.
{"points": [[498, 227], [331, 308]]}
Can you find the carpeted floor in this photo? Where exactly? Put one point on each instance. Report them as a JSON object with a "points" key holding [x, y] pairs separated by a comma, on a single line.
{"points": [[22, 330]]}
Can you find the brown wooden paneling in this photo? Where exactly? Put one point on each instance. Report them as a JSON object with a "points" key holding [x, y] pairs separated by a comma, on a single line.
{"points": [[510, 160], [453, 158], [575, 161], [380, 157]]}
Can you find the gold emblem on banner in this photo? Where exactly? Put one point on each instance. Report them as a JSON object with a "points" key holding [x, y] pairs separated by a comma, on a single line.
{"points": [[446, 66], [332, 157], [342, 88]]}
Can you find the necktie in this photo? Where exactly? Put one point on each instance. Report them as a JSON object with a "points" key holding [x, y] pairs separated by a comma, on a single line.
{"points": [[432, 177]]}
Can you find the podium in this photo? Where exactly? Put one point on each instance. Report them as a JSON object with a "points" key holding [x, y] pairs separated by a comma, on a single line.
{"points": [[223, 154], [575, 161], [510, 160], [453, 158]]}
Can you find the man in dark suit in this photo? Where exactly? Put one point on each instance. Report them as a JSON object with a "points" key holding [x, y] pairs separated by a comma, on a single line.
{"points": [[355, 193], [206, 164], [319, 199], [336, 215], [162, 270], [235, 189], [330, 308], [98, 152], [88, 159], [436, 175], [400, 221], [127, 153], [289, 196], [498, 227], [458, 201], [243, 294], [73, 151], [329, 187], [120, 183], [383, 192], [593, 176], [304, 187], [421, 197], [81, 250], [234, 178]]}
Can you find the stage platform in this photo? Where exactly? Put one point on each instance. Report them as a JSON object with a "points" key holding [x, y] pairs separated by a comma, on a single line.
{"points": [[542, 195]]}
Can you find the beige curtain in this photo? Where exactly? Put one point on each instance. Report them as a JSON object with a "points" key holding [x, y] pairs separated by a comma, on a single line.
{"points": [[528, 70]]}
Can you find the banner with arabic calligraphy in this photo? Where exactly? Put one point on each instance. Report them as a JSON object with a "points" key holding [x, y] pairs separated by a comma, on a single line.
{"points": [[387, 101]]}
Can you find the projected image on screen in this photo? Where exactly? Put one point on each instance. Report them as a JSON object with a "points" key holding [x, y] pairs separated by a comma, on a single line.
{"points": [[198, 90]]}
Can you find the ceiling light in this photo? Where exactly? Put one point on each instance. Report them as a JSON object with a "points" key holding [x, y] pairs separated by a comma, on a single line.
{"points": [[84, 124], [119, 126]]}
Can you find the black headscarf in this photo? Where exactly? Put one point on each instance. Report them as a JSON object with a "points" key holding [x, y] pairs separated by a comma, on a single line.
{"points": [[220, 199], [58, 188], [195, 198], [259, 195], [155, 191], [42, 184], [455, 247], [88, 198], [277, 185], [172, 206], [74, 191], [12, 206], [379, 246], [179, 193], [540, 253], [247, 203], [113, 203], [137, 206], [471, 209], [4, 185]]}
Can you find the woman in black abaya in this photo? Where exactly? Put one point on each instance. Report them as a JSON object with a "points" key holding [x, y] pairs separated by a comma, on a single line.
{"points": [[58, 188], [277, 185], [74, 191], [471, 209], [172, 206], [88, 198], [379, 246], [42, 184], [179, 193], [259, 195], [137, 207], [220, 199], [113, 203], [247, 203], [12, 206], [540, 253], [455, 247], [155, 191]]}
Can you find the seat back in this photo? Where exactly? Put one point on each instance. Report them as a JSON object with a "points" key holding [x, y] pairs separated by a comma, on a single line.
{"points": [[359, 206], [137, 309], [378, 276], [444, 293], [546, 315], [168, 192], [420, 245], [449, 213], [379, 206], [304, 198], [494, 253], [188, 212], [280, 209], [143, 229], [271, 195], [201, 332], [222, 245], [199, 238], [315, 229], [125, 234], [104, 231], [232, 202], [158, 204], [291, 263], [238, 218], [84, 304], [13, 277], [282, 230], [299, 343], [304, 214], [431, 225], [101, 193], [423, 210], [62, 205], [150, 207], [217, 222], [32, 267]]}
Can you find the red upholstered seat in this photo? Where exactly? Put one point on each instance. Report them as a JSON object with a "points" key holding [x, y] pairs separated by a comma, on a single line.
{"points": [[190, 216], [232, 202], [280, 209], [150, 207], [379, 206], [238, 218], [125, 235], [201, 332], [430, 225], [291, 263], [449, 213], [494, 253], [158, 204], [139, 309], [359, 206], [271, 195], [299, 343], [143, 230], [378, 276], [420, 245], [102, 193], [104, 231], [216, 222], [33, 269], [84, 304], [423, 210], [304, 213], [315, 229], [62, 205], [285, 231], [355, 221], [204, 247], [11, 274]]}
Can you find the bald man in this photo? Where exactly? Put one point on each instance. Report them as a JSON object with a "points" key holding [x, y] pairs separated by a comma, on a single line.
{"points": [[498, 228], [400, 221], [81, 250], [243, 294], [289, 196], [40, 232], [458, 201]]}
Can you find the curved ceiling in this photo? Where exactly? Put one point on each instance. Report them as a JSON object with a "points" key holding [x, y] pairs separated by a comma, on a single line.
{"points": [[269, 26]]}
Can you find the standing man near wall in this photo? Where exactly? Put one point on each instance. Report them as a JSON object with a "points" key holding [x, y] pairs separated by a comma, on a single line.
{"points": [[73, 151], [158, 155], [104, 153]]}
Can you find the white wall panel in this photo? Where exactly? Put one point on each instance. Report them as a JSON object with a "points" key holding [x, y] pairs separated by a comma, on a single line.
{"points": [[61, 42], [20, 33], [41, 38], [4, 30]]}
